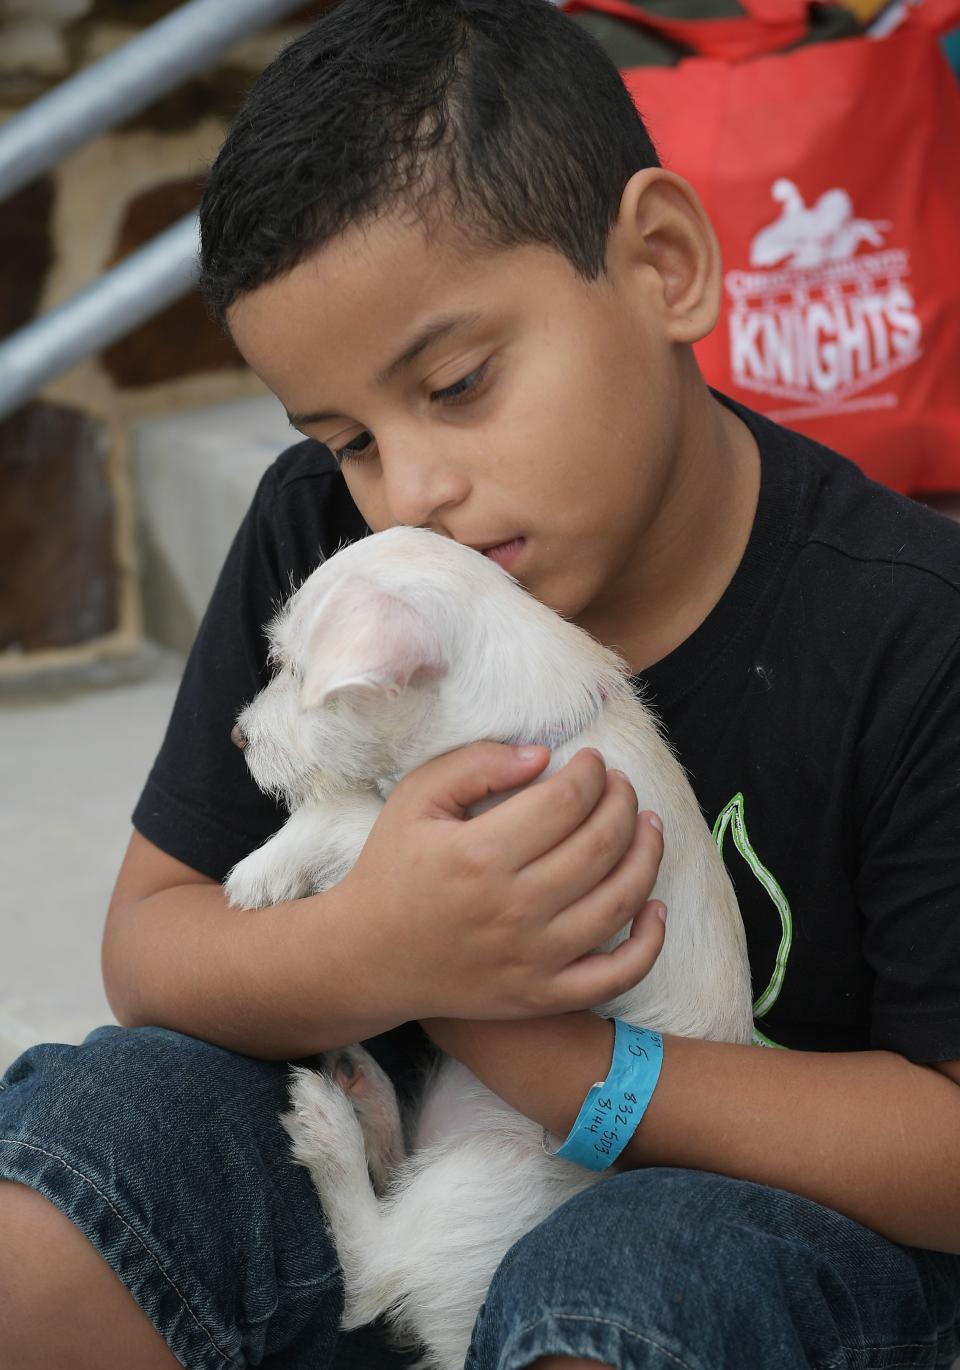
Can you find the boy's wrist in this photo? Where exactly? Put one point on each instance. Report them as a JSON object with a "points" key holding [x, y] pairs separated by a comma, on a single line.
{"points": [[514, 1058], [800, 1121]]}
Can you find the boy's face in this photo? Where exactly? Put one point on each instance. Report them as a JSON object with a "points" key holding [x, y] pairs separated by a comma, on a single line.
{"points": [[535, 405]]}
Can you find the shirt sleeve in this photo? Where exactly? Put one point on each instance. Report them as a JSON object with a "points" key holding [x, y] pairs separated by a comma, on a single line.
{"points": [[908, 884], [200, 803]]}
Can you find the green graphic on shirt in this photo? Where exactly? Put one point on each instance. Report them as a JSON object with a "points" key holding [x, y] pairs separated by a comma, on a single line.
{"points": [[731, 816]]}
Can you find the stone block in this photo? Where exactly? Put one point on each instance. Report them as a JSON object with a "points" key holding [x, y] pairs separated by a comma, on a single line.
{"points": [[183, 340], [57, 530], [25, 239]]}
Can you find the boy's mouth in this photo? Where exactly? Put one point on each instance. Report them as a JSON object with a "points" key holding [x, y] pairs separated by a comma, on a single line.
{"points": [[505, 553]]}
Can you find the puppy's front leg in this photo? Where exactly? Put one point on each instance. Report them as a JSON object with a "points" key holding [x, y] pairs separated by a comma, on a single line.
{"points": [[315, 848]]}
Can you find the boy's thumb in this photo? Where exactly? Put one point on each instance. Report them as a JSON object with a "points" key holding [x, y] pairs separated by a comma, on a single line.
{"points": [[462, 779]]}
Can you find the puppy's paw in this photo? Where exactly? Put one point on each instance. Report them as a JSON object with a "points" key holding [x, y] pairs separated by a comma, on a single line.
{"points": [[325, 1133], [260, 879], [374, 1100], [328, 1141]]}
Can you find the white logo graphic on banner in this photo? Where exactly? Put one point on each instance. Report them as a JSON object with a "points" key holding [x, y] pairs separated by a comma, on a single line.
{"points": [[814, 323]]}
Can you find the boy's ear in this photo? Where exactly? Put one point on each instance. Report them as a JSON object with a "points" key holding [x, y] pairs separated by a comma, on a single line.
{"points": [[364, 639], [663, 225]]}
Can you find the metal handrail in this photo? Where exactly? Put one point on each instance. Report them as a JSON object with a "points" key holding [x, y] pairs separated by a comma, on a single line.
{"points": [[126, 81], [94, 100], [140, 286]]}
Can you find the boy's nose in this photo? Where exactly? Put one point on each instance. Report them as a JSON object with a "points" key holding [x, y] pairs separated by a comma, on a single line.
{"points": [[418, 487], [237, 737]]}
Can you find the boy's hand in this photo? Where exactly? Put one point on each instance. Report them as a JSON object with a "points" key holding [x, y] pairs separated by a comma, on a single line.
{"points": [[497, 916]]}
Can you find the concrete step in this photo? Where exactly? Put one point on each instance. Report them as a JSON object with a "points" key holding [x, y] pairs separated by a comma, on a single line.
{"points": [[194, 474]]}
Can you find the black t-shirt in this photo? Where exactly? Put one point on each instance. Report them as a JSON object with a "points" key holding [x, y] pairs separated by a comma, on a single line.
{"points": [[816, 711]]}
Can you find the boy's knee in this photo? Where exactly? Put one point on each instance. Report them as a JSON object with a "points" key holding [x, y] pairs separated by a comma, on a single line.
{"points": [[112, 1129], [60, 1303], [671, 1260], [144, 1084]]}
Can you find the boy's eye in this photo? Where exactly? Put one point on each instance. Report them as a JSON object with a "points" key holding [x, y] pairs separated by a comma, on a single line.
{"points": [[467, 386], [361, 447], [354, 450]]}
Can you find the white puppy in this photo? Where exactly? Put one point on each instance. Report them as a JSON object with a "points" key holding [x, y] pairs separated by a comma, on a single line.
{"points": [[401, 647]]}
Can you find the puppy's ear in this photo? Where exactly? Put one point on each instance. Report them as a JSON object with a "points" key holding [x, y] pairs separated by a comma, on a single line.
{"points": [[363, 638]]}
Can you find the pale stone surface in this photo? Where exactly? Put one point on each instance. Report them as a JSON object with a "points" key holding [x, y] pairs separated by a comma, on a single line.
{"points": [[34, 45], [72, 764], [62, 10], [195, 474]]}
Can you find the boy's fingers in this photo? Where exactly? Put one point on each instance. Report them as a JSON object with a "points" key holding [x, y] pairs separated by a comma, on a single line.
{"points": [[577, 865], [448, 785], [525, 826], [600, 976], [528, 825], [613, 902]]}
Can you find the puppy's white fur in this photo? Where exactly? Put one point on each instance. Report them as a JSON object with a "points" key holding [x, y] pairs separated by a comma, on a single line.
{"points": [[401, 647]]}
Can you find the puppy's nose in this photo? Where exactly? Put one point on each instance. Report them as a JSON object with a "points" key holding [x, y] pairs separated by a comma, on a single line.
{"points": [[237, 737]]}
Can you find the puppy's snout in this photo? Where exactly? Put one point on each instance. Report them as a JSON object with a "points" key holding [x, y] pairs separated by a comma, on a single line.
{"points": [[238, 736]]}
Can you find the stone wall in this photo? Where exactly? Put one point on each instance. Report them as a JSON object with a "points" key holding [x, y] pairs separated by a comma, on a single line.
{"points": [[69, 584]]}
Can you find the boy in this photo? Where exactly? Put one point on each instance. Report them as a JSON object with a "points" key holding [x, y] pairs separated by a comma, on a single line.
{"points": [[439, 233]]}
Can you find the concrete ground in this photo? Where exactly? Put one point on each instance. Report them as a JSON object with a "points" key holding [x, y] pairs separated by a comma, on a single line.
{"points": [[72, 761]]}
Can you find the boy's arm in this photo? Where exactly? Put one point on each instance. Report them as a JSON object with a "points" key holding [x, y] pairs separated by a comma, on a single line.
{"points": [[868, 1133], [425, 921], [279, 983]]}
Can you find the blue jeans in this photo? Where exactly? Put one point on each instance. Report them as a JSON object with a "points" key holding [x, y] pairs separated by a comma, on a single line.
{"points": [[167, 1153]]}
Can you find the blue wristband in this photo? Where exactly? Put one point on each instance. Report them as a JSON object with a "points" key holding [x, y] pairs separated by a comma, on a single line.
{"points": [[613, 1108]]}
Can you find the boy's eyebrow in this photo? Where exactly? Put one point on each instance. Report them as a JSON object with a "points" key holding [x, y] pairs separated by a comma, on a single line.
{"points": [[432, 333]]}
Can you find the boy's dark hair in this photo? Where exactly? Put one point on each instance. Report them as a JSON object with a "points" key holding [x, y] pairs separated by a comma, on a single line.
{"points": [[504, 115]]}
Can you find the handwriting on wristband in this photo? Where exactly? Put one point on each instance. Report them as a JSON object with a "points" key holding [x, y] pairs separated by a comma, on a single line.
{"points": [[612, 1110]]}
